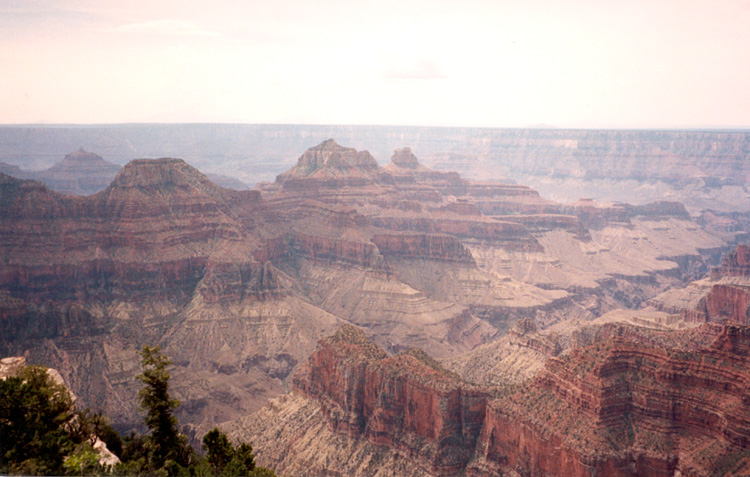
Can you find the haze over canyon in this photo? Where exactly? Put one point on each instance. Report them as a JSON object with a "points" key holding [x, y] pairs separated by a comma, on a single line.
{"points": [[457, 302]]}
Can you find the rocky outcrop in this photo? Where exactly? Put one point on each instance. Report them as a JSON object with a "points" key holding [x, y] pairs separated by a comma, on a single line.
{"points": [[405, 159], [79, 173], [12, 366], [735, 264], [660, 209], [406, 402], [405, 167], [729, 303], [238, 286], [432, 246], [332, 165], [595, 214], [148, 235], [637, 410], [724, 297], [335, 249], [636, 402]]}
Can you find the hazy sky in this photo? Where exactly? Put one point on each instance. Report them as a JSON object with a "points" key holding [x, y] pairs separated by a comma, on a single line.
{"points": [[594, 63]]}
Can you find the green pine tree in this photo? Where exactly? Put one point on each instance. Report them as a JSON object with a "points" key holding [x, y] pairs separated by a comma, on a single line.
{"points": [[167, 446], [36, 419]]}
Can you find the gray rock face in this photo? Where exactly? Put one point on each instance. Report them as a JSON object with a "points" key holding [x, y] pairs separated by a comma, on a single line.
{"points": [[79, 173]]}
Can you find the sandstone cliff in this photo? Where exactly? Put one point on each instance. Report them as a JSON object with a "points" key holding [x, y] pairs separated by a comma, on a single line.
{"points": [[723, 297], [406, 402], [238, 285], [636, 402]]}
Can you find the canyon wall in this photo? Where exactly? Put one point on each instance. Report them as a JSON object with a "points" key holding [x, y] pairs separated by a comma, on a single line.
{"points": [[706, 170], [636, 402], [237, 286], [406, 402]]}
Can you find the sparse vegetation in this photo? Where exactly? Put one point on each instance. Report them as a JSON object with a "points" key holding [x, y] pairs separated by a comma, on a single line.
{"points": [[42, 432], [41, 429]]}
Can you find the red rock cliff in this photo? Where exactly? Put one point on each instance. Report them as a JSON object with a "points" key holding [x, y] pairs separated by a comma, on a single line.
{"points": [[735, 264], [636, 402], [626, 408], [405, 401]]}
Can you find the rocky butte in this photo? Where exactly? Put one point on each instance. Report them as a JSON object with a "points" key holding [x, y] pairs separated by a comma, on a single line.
{"points": [[79, 173], [85, 173], [238, 286], [705, 170]]}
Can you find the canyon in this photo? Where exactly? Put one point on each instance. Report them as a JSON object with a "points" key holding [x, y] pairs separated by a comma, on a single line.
{"points": [[624, 400], [705, 170], [547, 327]]}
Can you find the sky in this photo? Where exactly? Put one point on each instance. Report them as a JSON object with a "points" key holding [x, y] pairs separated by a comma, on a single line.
{"points": [[469, 63]]}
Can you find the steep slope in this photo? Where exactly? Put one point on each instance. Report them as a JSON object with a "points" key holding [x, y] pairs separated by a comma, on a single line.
{"points": [[79, 173], [238, 286], [405, 402], [161, 256], [499, 249], [722, 297], [635, 402], [625, 406]]}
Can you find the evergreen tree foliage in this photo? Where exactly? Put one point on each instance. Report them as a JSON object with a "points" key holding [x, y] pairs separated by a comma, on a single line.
{"points": [[219, 451], [83, 461], [166, 445], [226, 460], [42, 432], [39, 425]]}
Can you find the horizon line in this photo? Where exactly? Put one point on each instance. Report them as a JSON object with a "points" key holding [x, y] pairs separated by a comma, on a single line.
{"points": [[541, 127]]}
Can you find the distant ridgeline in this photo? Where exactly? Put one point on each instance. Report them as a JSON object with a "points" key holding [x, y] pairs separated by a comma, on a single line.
{"points": [[702, 169]]}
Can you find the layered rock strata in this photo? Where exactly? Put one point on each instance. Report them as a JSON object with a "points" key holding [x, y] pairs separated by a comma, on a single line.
{"points": [[703, 169], [237, 286], [723, 297], [406, 402], [635, 402], [160, 256]]}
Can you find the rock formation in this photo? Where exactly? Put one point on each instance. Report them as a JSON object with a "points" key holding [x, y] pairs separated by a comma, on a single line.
{"points": [[79, 173], [723, 297], [705, 170], [635, 402], [406, 402], [735, 264], [162, 252], [237, 286]]}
